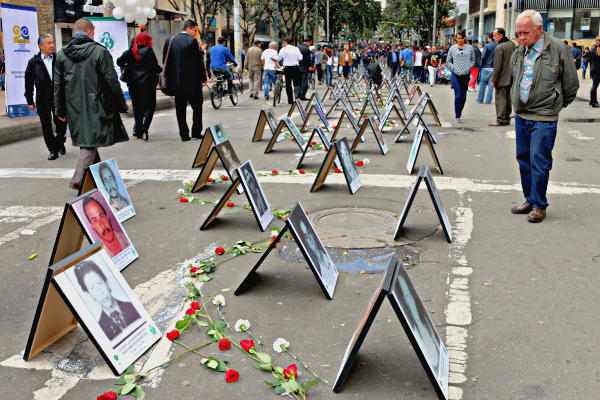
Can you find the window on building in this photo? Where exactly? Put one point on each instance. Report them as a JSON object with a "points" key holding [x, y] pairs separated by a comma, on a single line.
{"points": [[263, 29], [587, 24], [559, 23]]}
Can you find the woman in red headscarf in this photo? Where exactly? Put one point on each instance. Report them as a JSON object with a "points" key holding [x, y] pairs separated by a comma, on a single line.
{"points": [[140, 71]]}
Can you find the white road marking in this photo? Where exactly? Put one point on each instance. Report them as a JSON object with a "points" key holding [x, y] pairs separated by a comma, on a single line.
{"points": [[42, 215], [511, 134], [579, 135], [376, 180], [458, 308]]}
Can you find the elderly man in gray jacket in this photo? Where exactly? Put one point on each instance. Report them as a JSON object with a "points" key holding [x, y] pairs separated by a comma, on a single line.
{"points": [[545, 81]]}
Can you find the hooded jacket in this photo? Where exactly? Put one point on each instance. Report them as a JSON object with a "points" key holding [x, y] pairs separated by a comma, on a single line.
{"points": [[88, 93]]}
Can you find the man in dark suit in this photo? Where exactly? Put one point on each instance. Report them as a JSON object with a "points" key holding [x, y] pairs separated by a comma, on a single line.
{"points": [[502, 77], [393, 60], [185, 73], [39, 74]]}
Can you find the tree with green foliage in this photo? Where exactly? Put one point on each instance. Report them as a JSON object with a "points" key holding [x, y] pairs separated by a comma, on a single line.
{"points": [[418, 15]]}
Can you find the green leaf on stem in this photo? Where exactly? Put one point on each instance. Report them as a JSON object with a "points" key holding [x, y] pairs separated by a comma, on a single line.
{"points": [[264, 358], [129, 378], [220, 325], [222, 366], [127, 388], [290, 386], [181, 324], [267, 367], [279, 390], [307, 385], [121, 381], [212, 364], [201, 322], [139, 393]]}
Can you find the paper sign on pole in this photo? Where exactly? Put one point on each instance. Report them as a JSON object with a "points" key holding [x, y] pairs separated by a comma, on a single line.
{"points": [[112, 34], [20, 32]]}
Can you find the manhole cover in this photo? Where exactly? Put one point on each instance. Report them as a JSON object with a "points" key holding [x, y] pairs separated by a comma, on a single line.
{"points": [[351, 228]]}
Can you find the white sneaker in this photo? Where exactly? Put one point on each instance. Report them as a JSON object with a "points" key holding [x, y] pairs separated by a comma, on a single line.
{"points": [[458, 121]]}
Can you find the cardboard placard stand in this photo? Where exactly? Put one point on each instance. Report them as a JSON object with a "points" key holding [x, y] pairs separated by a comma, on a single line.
{"points": [[415, 90], [424, 174], [313, 97], [301, 110], [322, 116], [322, 137], [370, 122], [349, 169], [265, 118], [263, 220], [424, 101], [397, 287], [216, 154], [88, 180], [417, 120], [416, 146], [288, 123], [53, 319], [311, 247], [213, 135], [387, 114]]}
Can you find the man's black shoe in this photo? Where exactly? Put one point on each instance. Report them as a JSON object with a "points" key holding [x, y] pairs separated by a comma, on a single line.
{"points": [[62, 150], [596, 105], [185, 138], [52, 156]]}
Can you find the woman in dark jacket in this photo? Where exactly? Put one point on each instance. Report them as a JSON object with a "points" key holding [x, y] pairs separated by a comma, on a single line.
{"points": [[140, 72], [594, 60]]}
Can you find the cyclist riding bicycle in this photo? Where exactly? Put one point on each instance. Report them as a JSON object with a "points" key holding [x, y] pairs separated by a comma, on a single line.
{"points": [[219, 55]]}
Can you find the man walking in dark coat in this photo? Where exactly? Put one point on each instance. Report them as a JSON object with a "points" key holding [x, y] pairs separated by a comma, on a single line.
{"points": [[502, 77], [88, 96], [186, 73], [39, 74]]}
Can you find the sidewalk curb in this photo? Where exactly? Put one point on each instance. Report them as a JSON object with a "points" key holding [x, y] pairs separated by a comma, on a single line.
{"points": [[22, 130]]}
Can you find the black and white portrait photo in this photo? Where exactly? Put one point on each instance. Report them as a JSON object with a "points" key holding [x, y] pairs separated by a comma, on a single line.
{"points": [[255, 194], [295, 132], [228, 156], [218, 133], [108, 179], [319, 257], [106, 306], [348, 166]]}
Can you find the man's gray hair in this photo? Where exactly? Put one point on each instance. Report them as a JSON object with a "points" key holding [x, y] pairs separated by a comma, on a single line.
{"points": [[272, 44], [534, 16], [43, 37]]}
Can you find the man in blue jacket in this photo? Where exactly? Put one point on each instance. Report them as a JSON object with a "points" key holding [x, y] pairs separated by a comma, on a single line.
{"points": [[219, 55]]}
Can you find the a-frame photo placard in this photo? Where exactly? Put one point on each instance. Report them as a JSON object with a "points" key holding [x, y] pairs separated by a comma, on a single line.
{"points": [[397, 287], [106, 308], [213, 135], [416, 146], [229, 159], [424, 174], [107, 178], [312, 249], [417, 120], [291, 126], [415, 90], [301, 110], [246, 176], [341, 150], [314, 97], [388, 113], [265, 118], [318, 131], [372, 124]]}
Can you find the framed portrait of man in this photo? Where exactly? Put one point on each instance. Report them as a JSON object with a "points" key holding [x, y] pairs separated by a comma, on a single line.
{"points": [[295, 132], [100, 224], [322, 116], [347, 162], [378, 136], [218, 133], [255, 194], [108, 180], [315, 253], [107, 309]]}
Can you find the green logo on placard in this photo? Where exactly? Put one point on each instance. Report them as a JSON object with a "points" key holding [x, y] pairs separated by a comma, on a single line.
{"points": [[116, 357], [152, 330], [107, 41]]}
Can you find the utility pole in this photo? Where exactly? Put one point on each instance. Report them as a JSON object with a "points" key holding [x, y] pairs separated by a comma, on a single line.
{"points": [[434, 33], [327, 22], [276, 20], [236, 30], [304, 33], [481, 17]]}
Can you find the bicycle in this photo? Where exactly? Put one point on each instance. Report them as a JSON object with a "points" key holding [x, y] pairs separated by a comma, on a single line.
{"points": [[240, 78], [219, 89], [278, 87]]}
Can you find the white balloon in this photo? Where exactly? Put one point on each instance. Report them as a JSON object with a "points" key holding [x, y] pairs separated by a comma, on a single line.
{"points": [[152, 13], [131, 4], [141, 20], [118, 12], [151, 3], [147, 12], [129, 17]]}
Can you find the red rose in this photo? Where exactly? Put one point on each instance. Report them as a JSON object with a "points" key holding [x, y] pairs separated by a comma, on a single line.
{"points": [[209, 180], [224, 344], [293, 139], [195, 305], [356, 109], [107, 396], [273, 237], [224, 178], [231, 375], [334, 126], [193, 270], [174, 334], [301, 171], [313, 143], [392, 122], [291, 372], [230, 204], [306, 212], [360, 163], [183, 199], [219, 251], [364, 116], [310, 145], [274, 172], [247, 345], [337, 170], [190, 311]]}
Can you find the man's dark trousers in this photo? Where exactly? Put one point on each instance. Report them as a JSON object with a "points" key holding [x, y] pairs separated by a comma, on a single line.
{"points": [[535, 140], [303, 82], [292, 76], [195, 101], [53, 142], [395, 66], [503, 104]]}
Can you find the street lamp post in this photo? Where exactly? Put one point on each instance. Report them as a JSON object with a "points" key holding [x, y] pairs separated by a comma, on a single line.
{"points": [[434, 33]]}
